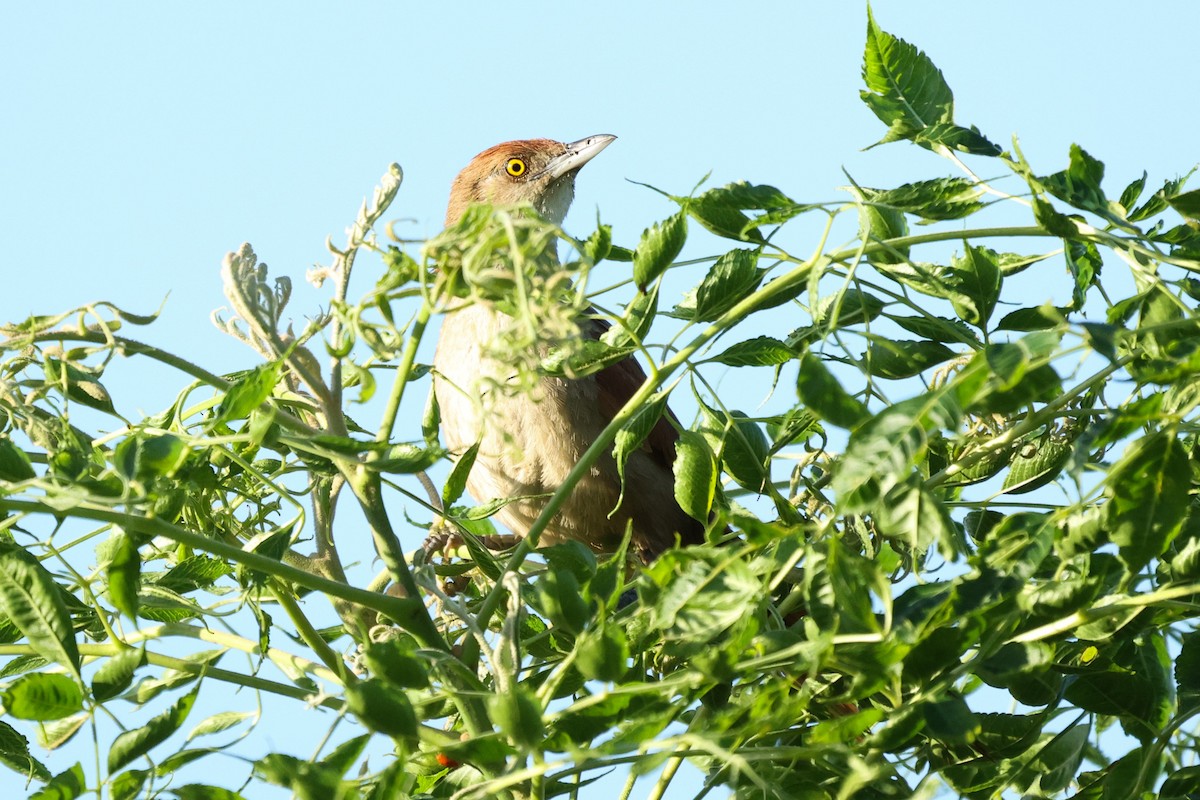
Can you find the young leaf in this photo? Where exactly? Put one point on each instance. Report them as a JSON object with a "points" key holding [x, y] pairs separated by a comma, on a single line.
{"points": [[456, 484], [249, 392], [733, 277], [659, 246], [976, 276], [904, 89], [761, 351]]}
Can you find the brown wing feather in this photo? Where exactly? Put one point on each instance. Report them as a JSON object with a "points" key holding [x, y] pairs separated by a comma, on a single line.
{"points": [[618, 383]]}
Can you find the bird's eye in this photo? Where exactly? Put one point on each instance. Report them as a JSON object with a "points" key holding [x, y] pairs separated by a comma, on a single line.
{"points": [[515, 167]]}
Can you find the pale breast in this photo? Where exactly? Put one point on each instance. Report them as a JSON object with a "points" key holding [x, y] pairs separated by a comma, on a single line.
{"points": [[528, 443]]}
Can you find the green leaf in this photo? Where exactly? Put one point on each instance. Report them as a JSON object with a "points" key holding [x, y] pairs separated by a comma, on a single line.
{"points": [[395, 661], [1059, 760], [761, 351], [14, 754], [220, 722], [1147, 493], [116, 674], [695, 469], [603, 655], [1038, 461], [1084, 263], [976, 276], [14, 463], [199, 791], [79, 384], [249, 392], [893, 359], [456, 484], [694, 594], [145, 457], [135, 743], [745, 451], [561, 599], [884, 450], [127, 785], [877, 224], [42, 696], [1079, 183], [124, 573], [659, 246], [406, 459], [1044, 317], [30, 598], [822, 393], [517, 713], [66, 785], [937, 199], [731, 279], [630, 438], [1182, 784], [635, 322], [904, 89], [950, 720], [716, 213], [947, 135]]}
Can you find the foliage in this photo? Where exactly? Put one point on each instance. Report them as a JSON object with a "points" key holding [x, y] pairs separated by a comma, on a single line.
{"points": [[961, 559]]}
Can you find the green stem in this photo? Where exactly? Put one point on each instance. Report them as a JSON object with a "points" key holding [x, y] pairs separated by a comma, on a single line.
{"points": [[393, 607], [403, 373]]}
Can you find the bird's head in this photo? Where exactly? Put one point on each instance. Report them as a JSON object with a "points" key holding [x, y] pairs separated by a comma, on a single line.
{"points": [[540, 172]]}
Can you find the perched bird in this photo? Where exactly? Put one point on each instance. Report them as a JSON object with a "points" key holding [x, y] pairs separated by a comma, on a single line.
{"points": [[531, 442]]}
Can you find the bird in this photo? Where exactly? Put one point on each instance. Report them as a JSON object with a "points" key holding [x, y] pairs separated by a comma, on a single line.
{"points": [[530, 442]]}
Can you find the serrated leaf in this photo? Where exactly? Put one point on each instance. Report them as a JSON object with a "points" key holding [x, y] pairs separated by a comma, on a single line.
{"points": [[904, 89], [1079, 183], [630, 438], [937, 199], [14, 463], [1038, 462], [1147, 494], [722, 217], [730, 280], [66, 785], [695, 469], [893, 359], [876, 225], [976, 276], [659, 246], [116, 674], [124, 573], [42, 696], [822, 393], [761, 351], [14, 754], [249, 392], [30, 598], [133, 744]]}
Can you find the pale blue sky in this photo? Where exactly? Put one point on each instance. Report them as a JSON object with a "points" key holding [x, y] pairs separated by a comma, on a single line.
{"points": [[141, 142]]}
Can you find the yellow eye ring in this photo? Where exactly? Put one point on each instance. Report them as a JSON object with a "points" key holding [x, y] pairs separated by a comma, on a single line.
{"points": [[515, 167]]}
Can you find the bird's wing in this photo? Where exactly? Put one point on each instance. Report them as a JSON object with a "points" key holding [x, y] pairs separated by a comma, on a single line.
{"points": [[618, 383]]}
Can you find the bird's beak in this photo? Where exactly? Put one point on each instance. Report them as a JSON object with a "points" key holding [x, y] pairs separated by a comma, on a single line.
{"points": [[578, 154]]}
